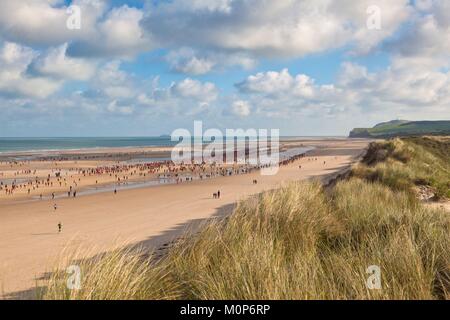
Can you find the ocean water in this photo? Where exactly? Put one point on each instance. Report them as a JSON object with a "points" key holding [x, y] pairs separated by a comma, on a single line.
{"points": [[51, 144], [48, 144]]}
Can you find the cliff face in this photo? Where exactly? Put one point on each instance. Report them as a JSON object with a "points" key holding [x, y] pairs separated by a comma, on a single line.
{"points": [[359, 133]]}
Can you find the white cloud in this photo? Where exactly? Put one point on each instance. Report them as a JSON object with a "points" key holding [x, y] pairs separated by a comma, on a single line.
{"points": [[114, 108], [421, 88], [113, 82], [392, 15], [55, 63], [118, 35], [426, 43], [241, 108], [228, 33], [43, 22], [268, 82], [189, 61], [205, 5], [189, 88], [304, 86], [185, 61], [273, 28], [14, 81], [113, 33], [387, 93], [282, 83]]}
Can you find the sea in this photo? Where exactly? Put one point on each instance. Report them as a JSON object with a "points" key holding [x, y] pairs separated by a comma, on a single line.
{"points": [[54, 144]]}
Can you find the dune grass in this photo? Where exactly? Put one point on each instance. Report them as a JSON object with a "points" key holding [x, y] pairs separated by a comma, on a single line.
{"points": [[403, 164], [298, 242], [119, 274]]}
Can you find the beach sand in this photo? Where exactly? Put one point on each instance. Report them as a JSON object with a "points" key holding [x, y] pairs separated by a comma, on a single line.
{"points": [[151, 216]]}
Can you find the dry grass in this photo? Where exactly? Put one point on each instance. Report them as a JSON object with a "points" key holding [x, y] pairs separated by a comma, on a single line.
{"points": [[297, 242], [119, 274], [402, 164], [294, 243]]}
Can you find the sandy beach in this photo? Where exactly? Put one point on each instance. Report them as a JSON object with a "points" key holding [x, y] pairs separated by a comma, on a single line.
{"points": [[151, 216]]}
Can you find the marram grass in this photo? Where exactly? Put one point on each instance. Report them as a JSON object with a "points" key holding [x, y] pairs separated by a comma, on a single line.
{"points": [[293, 243], [298, 242]]}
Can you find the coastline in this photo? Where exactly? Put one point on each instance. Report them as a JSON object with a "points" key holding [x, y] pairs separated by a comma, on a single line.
{"points": [[34, 171], [149, 216]]}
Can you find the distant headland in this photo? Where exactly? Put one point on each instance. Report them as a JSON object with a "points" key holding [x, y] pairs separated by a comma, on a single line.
{"points": [[403, 128]]}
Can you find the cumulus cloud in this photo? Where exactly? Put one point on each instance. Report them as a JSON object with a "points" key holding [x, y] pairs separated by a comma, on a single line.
{"points": [[14, 80], [241, 108], [189, 88], [116, 92], [426, 43], [281, 83], [228, 33], [421, 88], [226, 28], [389, 92], [276, 28], [56, 63], [118, 35], [267, 82], [103, 32], [114, 108], [44, 22], [189, 61], [184, 60], [39, 56]]}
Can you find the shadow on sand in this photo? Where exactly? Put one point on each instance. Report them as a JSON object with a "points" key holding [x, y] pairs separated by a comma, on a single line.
{"points": [[155, 247]]}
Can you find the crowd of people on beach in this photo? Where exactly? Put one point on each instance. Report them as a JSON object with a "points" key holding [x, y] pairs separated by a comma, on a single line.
{"points": [[33, 183], [118, 174]]}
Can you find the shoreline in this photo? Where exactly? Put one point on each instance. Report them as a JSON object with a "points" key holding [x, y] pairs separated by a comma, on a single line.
{"points": [[148, 148], [44, 189]]}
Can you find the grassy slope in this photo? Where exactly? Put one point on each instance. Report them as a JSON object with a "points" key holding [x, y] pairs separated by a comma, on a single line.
{"points": [[395, 128], [298, 242], [404, 163]]}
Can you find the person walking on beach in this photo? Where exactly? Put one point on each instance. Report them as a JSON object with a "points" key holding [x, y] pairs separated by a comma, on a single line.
{"points": [[59, 227], [53, 195], [55, 206], [218, 194]]}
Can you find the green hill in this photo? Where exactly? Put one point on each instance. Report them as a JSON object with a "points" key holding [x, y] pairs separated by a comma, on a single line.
{"points": [[402, 128]]}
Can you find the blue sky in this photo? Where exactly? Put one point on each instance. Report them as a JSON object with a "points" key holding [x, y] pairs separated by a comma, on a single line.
{"points": [[148, 67]]}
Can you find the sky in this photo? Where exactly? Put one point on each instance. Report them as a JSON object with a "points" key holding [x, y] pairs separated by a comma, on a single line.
{"points": [[144, 68]]}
